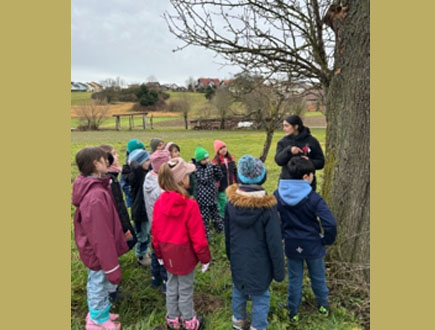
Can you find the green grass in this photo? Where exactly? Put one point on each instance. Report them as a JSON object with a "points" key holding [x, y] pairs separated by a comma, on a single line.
{"points": [[110, 122], [80, 98], [146, 309], [313, 114]]}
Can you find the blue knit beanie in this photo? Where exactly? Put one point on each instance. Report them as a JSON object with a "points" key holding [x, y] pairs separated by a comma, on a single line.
{"points": [[251, 170], [138, 155]]}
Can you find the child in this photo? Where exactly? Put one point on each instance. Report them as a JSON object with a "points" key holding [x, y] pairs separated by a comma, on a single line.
{"points": [[156, 144], [131, 145], [229, 169], [179, 242], [134, 175], [98, 235], [206, 176], [305, 236], [113, 171], [173, 149], [151, 192], [253, 243]]}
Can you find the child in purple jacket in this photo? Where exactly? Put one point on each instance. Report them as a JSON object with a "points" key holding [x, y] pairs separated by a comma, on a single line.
{"points": [[98, 235]]}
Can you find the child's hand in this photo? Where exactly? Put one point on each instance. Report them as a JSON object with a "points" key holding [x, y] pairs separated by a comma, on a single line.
{"points": [[204, 267], [296, 150], [160, 262]]}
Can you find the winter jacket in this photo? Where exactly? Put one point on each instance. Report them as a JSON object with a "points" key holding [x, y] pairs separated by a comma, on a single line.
{"points": [[304, 140], [302, 210], [229, 172], [253, 238], [97, 229], [206, 177], [178, 233], [125, 186], [151, 192], [122, 210], [134, 175]]}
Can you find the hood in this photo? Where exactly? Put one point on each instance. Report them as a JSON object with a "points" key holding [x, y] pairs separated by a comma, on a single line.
{"points": [[172, 204], [293, 191], [249, 205], [83, 184], [151, 182], [303, 134]]}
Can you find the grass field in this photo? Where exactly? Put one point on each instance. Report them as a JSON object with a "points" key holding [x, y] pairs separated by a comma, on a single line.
{"points": [[79, 98], [146, 307]]}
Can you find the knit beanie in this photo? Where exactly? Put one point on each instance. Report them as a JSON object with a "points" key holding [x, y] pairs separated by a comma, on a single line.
{"points": [[179, 168], [154, 143], [200, 154], [218, 144], [138, 155], [158, 158], [251, 170], [134, 144]]}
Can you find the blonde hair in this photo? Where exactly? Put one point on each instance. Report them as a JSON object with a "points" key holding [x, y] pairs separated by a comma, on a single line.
{"points": [[167, 182]]}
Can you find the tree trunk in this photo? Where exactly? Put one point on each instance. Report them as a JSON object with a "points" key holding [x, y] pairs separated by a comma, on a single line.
{"points": [[347, 172], [269, 136], [185, 121]]}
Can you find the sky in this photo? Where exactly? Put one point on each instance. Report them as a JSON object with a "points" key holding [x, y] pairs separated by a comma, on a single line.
{"points": [[130, 39]]}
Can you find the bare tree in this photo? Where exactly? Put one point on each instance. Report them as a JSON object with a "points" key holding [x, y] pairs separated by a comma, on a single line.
{"points": [[183, 106], [326, 43], [92, 115], [190, 84], [222, 100]]}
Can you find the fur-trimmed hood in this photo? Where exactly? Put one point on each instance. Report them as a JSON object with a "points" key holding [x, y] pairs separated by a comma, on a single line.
{"points": [[245, 201]]}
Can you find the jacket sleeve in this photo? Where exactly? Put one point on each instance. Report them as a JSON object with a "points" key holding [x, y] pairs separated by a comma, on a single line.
{"points": [[203, 175], [217, 172], [196, 230], [318, 158], [97, 223], [328, 222], [283, 154], [155, 233], [227, 232], [274, 244]]}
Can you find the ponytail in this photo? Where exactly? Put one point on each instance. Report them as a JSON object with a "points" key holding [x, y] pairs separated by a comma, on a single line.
{"points": [[167, 182], [295, 120]]}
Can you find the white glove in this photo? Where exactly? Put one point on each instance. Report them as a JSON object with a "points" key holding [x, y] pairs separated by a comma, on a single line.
{"points": [[204, 267], [160, 261]]}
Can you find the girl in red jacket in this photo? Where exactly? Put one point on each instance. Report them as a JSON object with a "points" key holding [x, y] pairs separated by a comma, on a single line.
{"points": [[98, 235], [179, 242]]}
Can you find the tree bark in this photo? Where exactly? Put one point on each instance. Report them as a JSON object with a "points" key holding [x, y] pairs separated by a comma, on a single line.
{"points": [[347, 172], [267, 143]]}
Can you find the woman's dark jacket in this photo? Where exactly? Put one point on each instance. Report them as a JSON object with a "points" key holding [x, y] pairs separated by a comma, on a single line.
{"points": [[122, 209], [134, 175], [229, 172], [253, 240], [304, 140]]}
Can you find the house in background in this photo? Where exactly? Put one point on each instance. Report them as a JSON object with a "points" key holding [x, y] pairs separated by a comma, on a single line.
{"points": [[203, 83], [96, 87], [78, 87]]}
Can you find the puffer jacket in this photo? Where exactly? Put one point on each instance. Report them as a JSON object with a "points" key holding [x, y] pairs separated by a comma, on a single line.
{"points": [[178, 233], [229, 172], [97, 229], [307, 224], [206, 177], [253, 238], [151, 192]]}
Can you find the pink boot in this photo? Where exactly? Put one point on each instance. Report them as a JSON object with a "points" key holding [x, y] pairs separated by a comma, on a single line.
{"points": [[108, 325], [193, 324], [112, 317], [173, 323]]}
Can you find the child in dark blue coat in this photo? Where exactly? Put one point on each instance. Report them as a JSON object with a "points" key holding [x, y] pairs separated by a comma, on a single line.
{"points": [[307, 225]]}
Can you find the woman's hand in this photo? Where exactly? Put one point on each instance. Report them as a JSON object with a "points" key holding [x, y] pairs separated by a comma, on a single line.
{"points": [[296, 150]]}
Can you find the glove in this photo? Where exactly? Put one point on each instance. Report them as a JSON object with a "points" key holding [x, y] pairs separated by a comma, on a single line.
{"points": [[204, 267], [114, 277], [160, 262]]}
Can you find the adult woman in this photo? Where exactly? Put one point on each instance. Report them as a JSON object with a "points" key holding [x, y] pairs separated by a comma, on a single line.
{"points": [[298, 142]]}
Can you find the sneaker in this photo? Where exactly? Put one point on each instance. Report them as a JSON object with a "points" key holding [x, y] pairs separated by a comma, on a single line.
{"points": [[252, 328], [108, 325], [239, 324], [294, 319], [173, 323], [324, 310], [144, 260], [194, 324]]}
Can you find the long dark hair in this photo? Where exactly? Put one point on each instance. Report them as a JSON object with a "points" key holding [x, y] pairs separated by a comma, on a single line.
{"points": [[295, 120], [217, 159]]}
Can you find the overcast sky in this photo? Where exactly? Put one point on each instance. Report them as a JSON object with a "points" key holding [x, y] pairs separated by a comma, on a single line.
{"points": [[130, 39]]}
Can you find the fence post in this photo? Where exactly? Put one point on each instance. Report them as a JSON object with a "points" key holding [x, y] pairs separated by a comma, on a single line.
{"points": [[144, 121]]}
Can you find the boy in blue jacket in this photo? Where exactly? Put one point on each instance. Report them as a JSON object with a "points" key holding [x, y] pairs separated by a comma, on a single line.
{"points": [[307, 225]]}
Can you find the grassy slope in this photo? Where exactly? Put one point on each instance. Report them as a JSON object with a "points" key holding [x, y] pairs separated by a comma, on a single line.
{"points": [[146, 309], [79, 98]]}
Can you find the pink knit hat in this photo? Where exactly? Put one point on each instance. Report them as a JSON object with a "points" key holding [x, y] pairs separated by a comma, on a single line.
{"points": [[180, 168], [218, 144], [159, 157]]}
